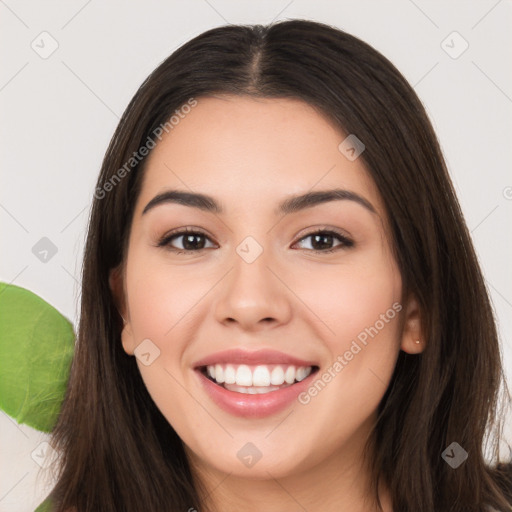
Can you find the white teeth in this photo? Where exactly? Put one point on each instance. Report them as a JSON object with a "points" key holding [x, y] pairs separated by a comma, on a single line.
{"points": [[302, 373], [261, 376], [219, 373], [243, 376], [289, 375], [229, 375], [253, 377], [253, 390], [277, 376]]}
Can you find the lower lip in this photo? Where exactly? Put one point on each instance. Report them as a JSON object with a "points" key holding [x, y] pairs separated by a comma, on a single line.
{"points": [[253, 406]]}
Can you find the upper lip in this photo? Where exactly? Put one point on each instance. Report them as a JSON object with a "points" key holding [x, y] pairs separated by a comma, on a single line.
{"points": [[265, 356]]}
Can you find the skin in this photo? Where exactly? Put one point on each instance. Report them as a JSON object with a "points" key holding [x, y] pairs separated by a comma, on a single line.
{"points": [[250, 155]]}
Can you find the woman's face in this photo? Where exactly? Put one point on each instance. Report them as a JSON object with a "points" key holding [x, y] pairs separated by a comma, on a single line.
{"points": [[256, 278]]}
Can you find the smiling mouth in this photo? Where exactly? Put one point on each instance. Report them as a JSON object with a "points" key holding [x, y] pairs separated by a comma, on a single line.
{"points": [[256, 379]]}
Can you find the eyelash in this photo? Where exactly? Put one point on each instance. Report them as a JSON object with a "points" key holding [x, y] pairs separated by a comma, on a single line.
{"points": [[345, 241]]}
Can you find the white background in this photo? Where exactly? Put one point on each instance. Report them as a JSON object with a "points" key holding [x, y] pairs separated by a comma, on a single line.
{"points": [[58, 114]]}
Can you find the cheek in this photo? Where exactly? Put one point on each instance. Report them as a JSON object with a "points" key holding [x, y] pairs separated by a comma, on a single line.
{"points": [[161, 304], [361, 307], [162, 301], [349, 299]]}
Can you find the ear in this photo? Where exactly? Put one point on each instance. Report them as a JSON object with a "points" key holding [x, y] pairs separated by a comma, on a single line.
{"points": [[116, 284], [412, 341]]}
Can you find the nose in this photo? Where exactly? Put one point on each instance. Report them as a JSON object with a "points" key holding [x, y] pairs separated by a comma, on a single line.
{"points": [[253, 295]]}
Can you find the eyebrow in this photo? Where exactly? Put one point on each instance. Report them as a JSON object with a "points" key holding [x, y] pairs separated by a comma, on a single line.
{"points": [[290, 205]]}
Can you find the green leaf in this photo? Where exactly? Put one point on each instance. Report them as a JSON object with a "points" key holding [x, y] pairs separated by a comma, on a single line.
{"points": [[45, 506], [36, 349]]}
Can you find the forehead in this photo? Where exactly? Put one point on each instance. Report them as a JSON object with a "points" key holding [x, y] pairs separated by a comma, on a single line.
{"points": [[248, 151]]}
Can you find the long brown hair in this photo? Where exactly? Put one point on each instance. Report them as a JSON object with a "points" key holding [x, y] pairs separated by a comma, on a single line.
{"points": [[117, 450]]}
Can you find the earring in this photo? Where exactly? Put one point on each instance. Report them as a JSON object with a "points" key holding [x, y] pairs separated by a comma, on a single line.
{"points": [[417, 341]]}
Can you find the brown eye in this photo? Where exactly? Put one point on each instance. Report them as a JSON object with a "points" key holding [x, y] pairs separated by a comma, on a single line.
{"points": [[191, 241], [322, 241]]}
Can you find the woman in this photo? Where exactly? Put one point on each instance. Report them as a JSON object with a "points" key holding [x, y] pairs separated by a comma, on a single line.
{"points": [[281, 305]]}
